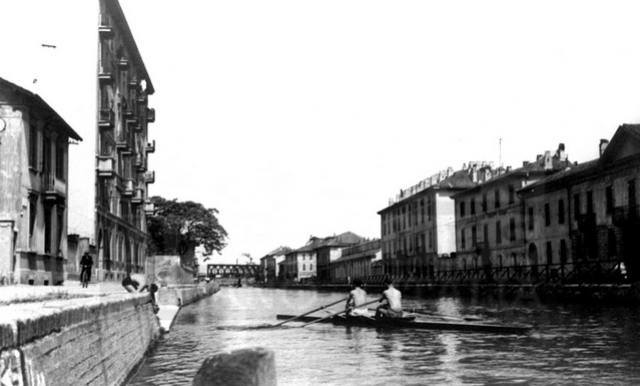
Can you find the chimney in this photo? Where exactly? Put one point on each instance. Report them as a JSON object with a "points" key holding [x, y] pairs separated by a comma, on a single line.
{"points": [[525, 163], [548, 164], [560, 154], [508, 169], [474, 174], [538, 157], [603, 145]]}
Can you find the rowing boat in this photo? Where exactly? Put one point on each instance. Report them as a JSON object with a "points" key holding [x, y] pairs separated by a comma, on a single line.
{"points": [[410, 322]]}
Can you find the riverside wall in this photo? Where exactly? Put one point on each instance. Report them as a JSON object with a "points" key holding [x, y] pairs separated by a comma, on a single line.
{"points": [[94, 341], [182, 294]]}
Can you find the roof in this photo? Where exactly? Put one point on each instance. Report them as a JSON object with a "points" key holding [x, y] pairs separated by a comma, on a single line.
{"points": [[458, 180], [536, 167], [121, 20], [341, 240], [39, 102]]}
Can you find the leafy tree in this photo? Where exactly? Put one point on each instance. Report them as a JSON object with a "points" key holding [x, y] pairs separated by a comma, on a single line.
{"points": [[178, 226]]}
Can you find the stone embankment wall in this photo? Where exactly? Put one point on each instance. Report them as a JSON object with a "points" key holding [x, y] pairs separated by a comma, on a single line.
{"points": [[94, 341], [181, 295]]}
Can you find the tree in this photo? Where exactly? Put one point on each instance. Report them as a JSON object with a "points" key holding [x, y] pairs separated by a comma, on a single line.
{"points": [[178, 226]]}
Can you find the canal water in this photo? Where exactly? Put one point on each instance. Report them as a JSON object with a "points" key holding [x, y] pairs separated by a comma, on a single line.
{"points": [[568, 345]]}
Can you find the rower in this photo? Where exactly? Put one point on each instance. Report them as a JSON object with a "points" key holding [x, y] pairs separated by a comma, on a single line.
{"points": [[391, 302], [357, 297]]}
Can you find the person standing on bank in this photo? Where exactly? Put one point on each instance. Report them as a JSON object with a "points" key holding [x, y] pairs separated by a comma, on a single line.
{"points": [[357, 297], [391, 302], [86, 263]]}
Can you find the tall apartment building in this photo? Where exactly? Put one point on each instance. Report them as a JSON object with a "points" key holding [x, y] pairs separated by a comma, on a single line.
{"points": [[34, 160], [418, 226], [490, 217], [589, 212], [87, 65]]}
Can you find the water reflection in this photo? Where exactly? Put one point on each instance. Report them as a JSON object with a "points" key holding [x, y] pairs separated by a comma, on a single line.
{"points": [[570, 345]]}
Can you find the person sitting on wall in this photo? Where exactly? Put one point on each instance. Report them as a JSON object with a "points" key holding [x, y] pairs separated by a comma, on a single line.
{"points": [[138, 283]]}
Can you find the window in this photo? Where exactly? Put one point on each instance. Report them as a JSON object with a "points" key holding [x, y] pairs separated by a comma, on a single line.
{"points": [[462, 209], [612, 243], [33, 146], [47, 230], [563, 251], [431, 237], [304, 267], [463, 242], [484, 202], [609, 198], [561, 211], [472, 205], [60, 161], [485, 231], [547, 215], [497, 198], [530, 218], [512, 194], [33, 213], [46, 156], [576, 206], [512, 229], [589, 202], [474, 236], [631, 187], [310, 267], [549, 253], [429, 209], [498, 233], [422, 211]]}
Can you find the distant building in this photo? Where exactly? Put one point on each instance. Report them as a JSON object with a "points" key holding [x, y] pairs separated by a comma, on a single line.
{"points": [[589, 212], [356, 262], [269, 264], [418, 226], [34, 178], [302, 263], [489, 216]]}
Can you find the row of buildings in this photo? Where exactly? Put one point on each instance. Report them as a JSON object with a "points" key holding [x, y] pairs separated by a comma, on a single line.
{"points": [[550, 219], [79, 183]]}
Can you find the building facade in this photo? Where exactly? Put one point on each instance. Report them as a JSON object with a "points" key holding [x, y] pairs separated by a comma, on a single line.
{"points": [[490, 220], [34, 176], [330, 249], [270, 264], [418, 226], [584, 221], [87, 65], [357, 261]]}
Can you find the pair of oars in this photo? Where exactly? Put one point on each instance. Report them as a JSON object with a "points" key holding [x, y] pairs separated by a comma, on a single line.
{"points": [[321, 308], [440, 316]]}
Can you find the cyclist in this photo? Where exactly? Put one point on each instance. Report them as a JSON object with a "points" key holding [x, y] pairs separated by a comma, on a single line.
{"points": [[86, 263]]}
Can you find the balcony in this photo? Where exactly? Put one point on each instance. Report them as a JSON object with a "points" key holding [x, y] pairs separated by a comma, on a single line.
{"points": [[625, 214], [586, 222], [106, 119], [138, 198], [104, 28], [106, 166], [149, 208], [151, 115], [142, 98], [150, 177], [54, 188], [135, 126], [140, 163], [134, 82], [123, 63], [105, 71], [123, 143], [151, 147], [128, 187]]}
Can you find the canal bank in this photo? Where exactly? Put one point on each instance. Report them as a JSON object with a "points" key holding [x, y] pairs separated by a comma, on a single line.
{"points": [[94, 336], [543, 292]]}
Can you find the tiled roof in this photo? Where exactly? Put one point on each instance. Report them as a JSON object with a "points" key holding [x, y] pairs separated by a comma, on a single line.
{"points": [[570, 171]]}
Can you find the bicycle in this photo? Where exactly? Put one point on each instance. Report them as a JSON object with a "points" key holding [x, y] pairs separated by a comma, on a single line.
{"points": [[84, 277]]}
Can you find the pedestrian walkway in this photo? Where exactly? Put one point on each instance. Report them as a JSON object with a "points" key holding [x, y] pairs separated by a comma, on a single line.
{"points": [[23, 293]]}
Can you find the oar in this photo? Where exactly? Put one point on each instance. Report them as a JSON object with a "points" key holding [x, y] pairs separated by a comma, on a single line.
{"points": [[310, 312], [338, 313], [467, 319]]}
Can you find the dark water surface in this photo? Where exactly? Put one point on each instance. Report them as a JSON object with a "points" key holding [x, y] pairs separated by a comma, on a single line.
{"points": [[569, 344]]}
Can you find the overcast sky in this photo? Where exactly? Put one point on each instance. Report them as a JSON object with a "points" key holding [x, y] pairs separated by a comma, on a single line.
{"points": [[300, 118]]}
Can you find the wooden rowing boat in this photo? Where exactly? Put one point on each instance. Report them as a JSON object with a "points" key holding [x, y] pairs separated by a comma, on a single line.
{"points": [[410, 322]]}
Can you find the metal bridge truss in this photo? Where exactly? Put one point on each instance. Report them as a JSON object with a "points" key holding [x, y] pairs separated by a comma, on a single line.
{"points": [[232, 270]]}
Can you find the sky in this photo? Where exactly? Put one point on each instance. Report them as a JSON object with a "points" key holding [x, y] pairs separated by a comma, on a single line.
{"points": [[301, 118]]}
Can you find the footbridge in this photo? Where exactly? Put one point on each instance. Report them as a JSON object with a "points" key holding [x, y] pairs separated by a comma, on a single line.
{"points": [[232, 270]]}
